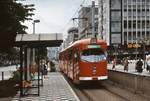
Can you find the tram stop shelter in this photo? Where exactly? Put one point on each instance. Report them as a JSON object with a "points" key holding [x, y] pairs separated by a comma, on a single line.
{"points": [[30, 74]]}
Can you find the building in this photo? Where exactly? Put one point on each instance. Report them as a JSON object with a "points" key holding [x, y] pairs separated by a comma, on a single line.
{"points": [[53, 53], [125, 23], [72, 35], [85, 22]]}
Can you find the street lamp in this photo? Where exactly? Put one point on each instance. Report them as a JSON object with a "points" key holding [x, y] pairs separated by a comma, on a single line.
{"points": [[34, 21]]}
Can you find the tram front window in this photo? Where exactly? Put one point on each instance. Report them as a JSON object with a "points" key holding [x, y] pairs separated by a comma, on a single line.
{"points": [[93, 55]]}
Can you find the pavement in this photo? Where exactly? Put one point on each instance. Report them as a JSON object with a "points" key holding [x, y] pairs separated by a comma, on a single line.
{"points": [[55, 88]]}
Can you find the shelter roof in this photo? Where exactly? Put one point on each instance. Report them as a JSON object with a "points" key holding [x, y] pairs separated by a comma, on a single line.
{"points": [[39, 40]]}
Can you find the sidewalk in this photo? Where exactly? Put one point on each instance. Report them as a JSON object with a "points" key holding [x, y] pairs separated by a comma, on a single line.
{"points": [[55, 88]]}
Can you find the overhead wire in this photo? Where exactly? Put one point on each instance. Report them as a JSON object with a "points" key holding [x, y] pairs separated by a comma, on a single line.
{"points": [[73, 15], [86, 2]]}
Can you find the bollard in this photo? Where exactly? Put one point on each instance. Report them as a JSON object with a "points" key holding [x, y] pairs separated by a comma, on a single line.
{"points": [[2, 76]]}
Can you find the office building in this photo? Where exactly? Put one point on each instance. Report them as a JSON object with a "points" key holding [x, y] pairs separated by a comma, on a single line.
{"points": [[125, 22], [85, 22]]}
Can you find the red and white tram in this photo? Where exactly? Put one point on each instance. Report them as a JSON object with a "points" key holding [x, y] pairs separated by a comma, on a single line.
{"points": [[85, 60]]}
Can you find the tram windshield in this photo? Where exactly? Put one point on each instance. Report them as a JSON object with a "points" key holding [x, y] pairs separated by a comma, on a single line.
{"points": [[93, 55]]}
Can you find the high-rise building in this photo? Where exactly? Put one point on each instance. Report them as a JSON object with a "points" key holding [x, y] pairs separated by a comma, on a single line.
{"points": [[72, 35], [85, 22], [124, 22]]}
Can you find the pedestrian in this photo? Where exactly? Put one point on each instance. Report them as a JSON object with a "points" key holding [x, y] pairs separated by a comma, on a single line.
{"points": [[44, 70], [114, 63], [148, 63], [126, 64], [139, 65]]}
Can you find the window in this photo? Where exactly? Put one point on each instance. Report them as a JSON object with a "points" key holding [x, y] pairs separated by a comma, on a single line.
{"points": [[134, 35], [125, 24], [115, 4], [116, 16], [125, 36], [134, 24], [93, 55], [129, 24], [116, 26]]}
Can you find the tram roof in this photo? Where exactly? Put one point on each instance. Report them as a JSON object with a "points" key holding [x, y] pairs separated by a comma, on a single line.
{"points": [[39, 40], [85, 42]]}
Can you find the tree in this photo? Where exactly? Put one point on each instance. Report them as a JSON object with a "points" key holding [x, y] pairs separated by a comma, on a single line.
{"points": [[12, 15]]}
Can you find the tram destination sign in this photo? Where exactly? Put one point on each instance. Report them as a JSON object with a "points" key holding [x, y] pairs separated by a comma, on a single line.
{"points": [[94, 46]]}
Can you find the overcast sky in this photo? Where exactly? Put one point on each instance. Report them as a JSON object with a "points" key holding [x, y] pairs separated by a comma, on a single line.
{"points": [[54, 15]]}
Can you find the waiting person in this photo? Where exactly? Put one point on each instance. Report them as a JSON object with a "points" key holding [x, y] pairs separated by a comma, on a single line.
{"points": [[114, 63], [44, 70], [126, 64], [139, 65]]}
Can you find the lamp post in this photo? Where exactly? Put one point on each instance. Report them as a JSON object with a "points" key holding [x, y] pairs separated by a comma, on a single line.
{"points": [[34, 21]]}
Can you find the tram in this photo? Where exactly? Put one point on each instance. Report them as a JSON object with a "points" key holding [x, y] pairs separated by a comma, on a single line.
{"points": [[85, 60]]}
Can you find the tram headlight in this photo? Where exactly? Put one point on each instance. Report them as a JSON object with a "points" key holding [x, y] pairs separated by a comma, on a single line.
{"points": [[94, 71]]}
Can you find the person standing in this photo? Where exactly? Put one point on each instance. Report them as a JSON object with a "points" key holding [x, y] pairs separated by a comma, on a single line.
{"points": [[44, 70], [126, 64], [114, 63], [139, 65], [148, 64]]}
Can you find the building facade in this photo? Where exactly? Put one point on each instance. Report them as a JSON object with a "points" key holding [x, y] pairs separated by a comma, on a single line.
{"points": [[72, 35], [125, 23], [85, 22]]}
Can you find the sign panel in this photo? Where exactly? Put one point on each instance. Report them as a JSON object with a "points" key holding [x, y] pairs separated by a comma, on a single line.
{"points": [[94, 46]]}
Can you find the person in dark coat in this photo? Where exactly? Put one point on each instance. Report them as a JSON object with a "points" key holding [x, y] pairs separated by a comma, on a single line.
{"points": [[44, 70], [139, 65]]}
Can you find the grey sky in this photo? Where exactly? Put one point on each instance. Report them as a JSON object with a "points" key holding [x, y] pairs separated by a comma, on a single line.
{"points": [[54, 15]]}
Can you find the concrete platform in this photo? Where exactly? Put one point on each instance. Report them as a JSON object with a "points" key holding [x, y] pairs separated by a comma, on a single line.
{"points": [[55, 88]]}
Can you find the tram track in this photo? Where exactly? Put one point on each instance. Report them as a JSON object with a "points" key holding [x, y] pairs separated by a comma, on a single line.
{"points": [[94, 91], [97, 92], [103, 91]]}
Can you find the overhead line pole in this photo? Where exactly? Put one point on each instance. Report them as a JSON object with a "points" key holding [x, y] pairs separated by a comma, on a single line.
{"points": [[102, 19], [93, 19]]}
